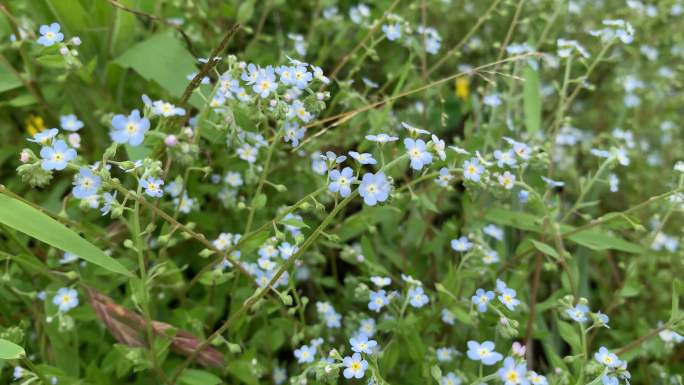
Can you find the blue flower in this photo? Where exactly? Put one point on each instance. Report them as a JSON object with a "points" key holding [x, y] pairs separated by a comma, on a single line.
{"points": [[445, 354], [355, 366], [333, 158], [129, 129], [374, 188], [333, 319], [553, 183], [417, 153], [361, 344], [508, 296], [341, 181], [444, 177], [68, 258], [417, 297], [250, 76], [512, 373], [536, 378], [50, 34], [490, 256], [507, 180], [66, 299], [234, 179], [265, 82], [293, 133], [448, 317], [57, 156], [481, 299], [609, 380], [493, 231], [152, 186], [378, 300], [268, 251], [70, 122], [450, 379], [505, 158], [523, 196], [166, 109], [301, 76], [483, 352], [472, 169], [367, 327], [18, 372], [44, 137], [287, 250], [461, 244], [364, 158], [578, 313], [381, 138], [86, 183], [109, 199], [607, 358], [602, 319], [305, 354], [392, 31]]}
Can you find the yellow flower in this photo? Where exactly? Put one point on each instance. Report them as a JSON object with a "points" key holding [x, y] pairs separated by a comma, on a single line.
{"points": [[463, 88], [34, 124]]}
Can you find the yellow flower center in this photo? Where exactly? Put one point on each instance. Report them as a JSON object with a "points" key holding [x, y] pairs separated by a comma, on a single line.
{"points": [[512, 376]]}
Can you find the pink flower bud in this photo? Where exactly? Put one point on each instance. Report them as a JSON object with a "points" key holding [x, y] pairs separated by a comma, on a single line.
{"points": [[24, 156], [170, 141]]}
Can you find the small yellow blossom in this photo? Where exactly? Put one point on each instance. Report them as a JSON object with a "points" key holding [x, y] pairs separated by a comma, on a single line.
{"points": [[463, 88], [34, 124]]}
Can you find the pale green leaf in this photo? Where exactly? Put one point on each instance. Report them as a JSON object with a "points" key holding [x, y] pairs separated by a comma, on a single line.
{"points": [[10, 350]]}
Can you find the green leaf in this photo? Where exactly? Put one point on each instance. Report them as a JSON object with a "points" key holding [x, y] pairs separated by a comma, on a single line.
{"points": [[532, 99], [569, 334], [245, 11], [601, 241], [243, 371], [517, 219], [295, 223], [546, 249], [34, 223], [70, 14], [436, 373], [163, 59], [8, 80], [259, 201], [10, 351], [199, 377]]}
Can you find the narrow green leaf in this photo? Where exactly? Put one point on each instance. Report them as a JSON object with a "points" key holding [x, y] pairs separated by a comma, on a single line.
{"points": [[601, 241], [532, 99], [36, 224], [518, 219], [10, 351], [546, 249]]}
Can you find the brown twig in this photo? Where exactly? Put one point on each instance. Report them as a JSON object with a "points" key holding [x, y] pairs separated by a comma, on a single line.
{"points": [[211, 63]]}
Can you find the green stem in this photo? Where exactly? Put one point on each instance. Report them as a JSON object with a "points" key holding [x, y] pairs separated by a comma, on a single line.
{"points": [[262, 179]]}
